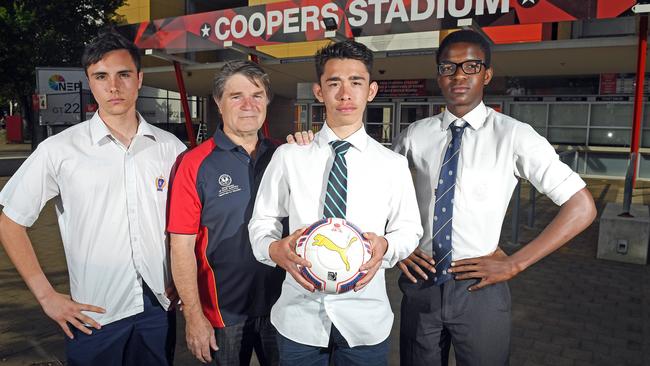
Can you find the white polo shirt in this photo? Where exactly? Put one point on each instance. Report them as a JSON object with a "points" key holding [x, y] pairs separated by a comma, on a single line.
{"points": [[495, 150], [111, 205]]}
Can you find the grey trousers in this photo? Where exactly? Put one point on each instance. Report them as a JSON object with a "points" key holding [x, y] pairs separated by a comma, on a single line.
{"points": [[433, 317]]}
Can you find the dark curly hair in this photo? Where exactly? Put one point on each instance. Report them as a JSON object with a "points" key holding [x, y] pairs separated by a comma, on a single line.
{"points": [[466, 36]]}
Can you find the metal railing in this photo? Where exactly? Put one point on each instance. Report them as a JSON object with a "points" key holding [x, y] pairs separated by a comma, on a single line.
{"points": [[532, 200]]}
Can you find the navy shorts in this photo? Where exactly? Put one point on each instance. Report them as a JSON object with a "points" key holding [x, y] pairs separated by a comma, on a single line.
{"points": [[147, 338]]}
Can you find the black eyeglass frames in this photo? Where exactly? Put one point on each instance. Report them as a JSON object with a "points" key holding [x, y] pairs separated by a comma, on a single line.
{"points": [[469, 67]]}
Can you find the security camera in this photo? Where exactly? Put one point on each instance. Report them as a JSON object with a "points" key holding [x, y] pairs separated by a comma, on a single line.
{"points": [[382, 72]]}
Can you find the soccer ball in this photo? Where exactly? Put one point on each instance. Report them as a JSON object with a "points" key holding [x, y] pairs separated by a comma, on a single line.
{"points": [[336, 249]]}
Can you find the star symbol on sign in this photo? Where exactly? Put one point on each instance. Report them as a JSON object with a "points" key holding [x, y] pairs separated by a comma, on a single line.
{"points": [[205, 30], [527, 3]]}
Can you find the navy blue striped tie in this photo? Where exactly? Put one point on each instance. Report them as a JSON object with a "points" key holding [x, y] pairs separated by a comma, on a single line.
{"points": [[444, 207], [337, 182]]}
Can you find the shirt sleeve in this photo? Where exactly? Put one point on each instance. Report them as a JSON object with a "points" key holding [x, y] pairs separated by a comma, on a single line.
{"points": [[404, 229], [537, 161], [184, 203], [180, 147], [29, 189], [271, 206]]}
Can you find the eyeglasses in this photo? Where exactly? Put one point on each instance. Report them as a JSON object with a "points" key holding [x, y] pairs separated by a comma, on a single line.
{"points": [[469, 67]]}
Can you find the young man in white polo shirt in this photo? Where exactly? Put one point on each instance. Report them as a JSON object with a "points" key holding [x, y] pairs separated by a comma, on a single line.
{"points": [[109, 176], [352, 327]]}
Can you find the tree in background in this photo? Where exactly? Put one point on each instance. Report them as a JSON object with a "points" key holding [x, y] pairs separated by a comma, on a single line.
{"points": [[45, 33]]}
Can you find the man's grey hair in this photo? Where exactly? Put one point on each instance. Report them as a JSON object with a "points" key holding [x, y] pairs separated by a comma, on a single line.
{"points": [[249, 69]]}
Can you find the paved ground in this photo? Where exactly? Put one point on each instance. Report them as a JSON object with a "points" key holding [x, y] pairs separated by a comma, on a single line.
{"points": [[11, 155], [569, 309]]}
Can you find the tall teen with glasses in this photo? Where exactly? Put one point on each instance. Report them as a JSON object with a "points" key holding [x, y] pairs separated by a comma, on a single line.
{"points": [[467, 161]]}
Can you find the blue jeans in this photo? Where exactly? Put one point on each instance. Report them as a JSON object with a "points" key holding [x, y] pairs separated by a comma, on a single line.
{"points": [[297, 354], [237, 342], [147, 338]]}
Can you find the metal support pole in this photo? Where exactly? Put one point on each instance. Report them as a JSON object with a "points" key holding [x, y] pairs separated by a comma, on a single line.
{"points": [[186, 106], [638, 93]]}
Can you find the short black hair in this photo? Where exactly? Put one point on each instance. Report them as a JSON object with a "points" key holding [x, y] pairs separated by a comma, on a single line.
{"points": [[252, 71], [106, 42], [466, 36], [342, 50]]}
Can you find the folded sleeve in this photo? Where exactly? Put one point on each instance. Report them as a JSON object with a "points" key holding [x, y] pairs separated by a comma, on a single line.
{"points": [[537, 161], [29, 189]]}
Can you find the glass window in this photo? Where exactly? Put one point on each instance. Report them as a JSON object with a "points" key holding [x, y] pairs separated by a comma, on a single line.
{"points": [[610, 114], [609, 137], [645, 115], [570, 136], [645, 137], [379, 119], [568, 114], [533, 114], [607, 164], [644, 166]]}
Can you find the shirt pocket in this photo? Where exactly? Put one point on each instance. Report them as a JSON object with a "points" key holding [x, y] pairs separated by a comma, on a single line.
{"points": [[478, 185]]}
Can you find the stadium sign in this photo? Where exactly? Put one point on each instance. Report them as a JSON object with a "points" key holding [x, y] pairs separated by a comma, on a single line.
{"points": [[302, 20]]}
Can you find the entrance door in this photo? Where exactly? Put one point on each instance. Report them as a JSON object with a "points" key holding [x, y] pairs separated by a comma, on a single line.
{"points": [[379, 122]]}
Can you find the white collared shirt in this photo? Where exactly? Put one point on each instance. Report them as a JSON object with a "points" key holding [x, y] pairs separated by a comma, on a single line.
{"points": [[380, 199], [495, 150], [111, 205]]}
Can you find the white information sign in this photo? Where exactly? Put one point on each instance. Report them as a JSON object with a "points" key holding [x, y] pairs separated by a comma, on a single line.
{"points": [[61, 88]]}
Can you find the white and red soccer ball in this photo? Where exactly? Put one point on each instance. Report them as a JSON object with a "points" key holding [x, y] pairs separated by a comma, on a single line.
{"points": [[336, 249]]}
